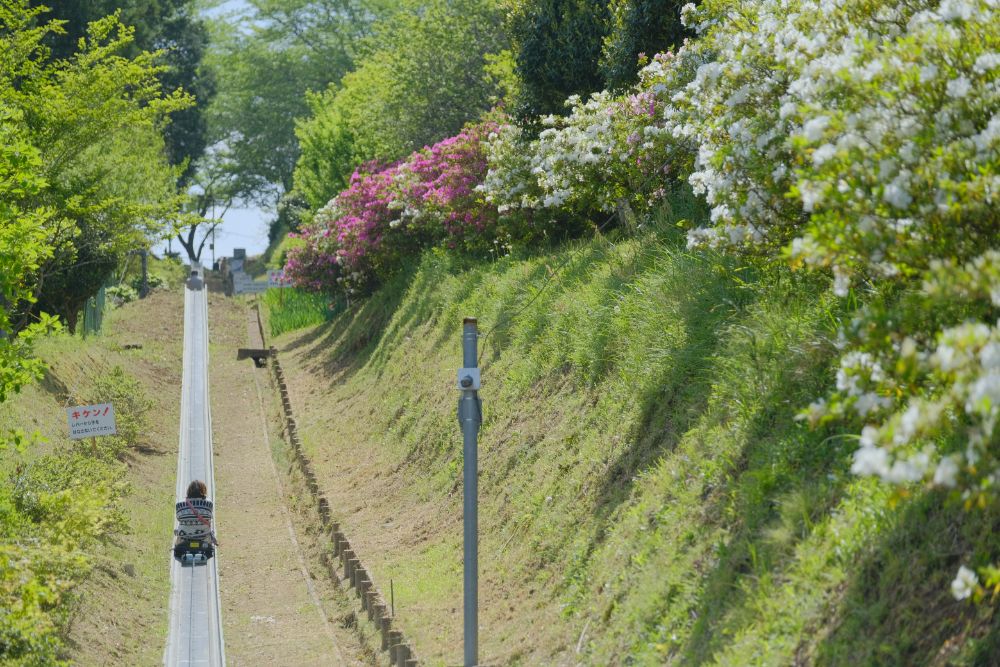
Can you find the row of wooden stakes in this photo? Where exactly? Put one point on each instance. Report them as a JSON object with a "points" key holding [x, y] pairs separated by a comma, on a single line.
{"points": [[342, 561]]}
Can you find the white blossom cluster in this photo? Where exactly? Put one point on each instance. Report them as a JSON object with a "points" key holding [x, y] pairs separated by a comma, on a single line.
{"points": [[965, 583], [844, 131], [942, 384], [565, 166], [852, 137], [959, 368], [508, 183], [608, 150]]}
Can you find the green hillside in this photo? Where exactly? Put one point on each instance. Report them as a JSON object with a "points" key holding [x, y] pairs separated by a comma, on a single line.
{"points": [[648, 496], [84, 522]]}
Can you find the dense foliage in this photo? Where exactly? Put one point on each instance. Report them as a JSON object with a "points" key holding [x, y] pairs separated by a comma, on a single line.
{"points": [[638, 29], [327, 156], [572, 47], [390, 212], [53, 510], [266, 58], [557, 47], [422, 75], [22, 251], [169, 27], [97, 166], [854, 139]]}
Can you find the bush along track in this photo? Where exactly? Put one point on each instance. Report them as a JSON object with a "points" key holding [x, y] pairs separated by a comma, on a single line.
{"points": [[77, 533], [341, 558], [56, 509]]}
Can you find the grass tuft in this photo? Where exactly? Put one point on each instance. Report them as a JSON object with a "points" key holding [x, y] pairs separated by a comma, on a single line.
{"points": [[291, 308]]}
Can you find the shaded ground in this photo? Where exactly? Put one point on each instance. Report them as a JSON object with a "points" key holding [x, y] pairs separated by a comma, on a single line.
{"points": [[404, 531], [274, 610]]}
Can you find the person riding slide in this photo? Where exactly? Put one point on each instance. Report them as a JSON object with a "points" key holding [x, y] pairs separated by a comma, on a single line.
{"points": [[194, 520]]}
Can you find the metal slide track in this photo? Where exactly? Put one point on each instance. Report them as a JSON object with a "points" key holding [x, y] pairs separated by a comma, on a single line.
{"points": [[195, 612]]}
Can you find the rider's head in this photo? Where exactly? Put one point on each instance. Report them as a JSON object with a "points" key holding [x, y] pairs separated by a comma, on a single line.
{"points": [[197, 489]]}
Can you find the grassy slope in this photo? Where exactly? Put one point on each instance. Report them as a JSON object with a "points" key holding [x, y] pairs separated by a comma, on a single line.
{"points": [[121, 610], [647, 497]]}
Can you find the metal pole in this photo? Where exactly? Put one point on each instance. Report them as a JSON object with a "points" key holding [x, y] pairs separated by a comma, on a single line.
{"points": [[470, 415], [144, 286]]}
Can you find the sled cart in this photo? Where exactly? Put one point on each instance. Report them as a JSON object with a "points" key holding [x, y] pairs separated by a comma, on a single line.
{"points": [[195, 542]]}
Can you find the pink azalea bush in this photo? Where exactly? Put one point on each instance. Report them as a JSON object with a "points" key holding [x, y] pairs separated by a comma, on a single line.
{"points": [[437, 190], [391, 212]]}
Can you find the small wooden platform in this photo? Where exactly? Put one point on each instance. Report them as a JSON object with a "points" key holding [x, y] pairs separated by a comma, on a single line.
{"points": [[257, 354]]}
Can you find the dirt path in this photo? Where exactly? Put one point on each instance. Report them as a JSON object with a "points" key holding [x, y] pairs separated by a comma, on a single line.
{"points": [[274, 610]]}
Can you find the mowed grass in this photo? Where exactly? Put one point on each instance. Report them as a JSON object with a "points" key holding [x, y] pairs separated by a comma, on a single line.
{"points": [[647, 496]]}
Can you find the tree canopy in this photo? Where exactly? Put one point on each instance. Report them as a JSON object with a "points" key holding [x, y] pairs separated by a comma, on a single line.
{"points": [[422, 74], [100, 181], [267, 59], [170, 27]]}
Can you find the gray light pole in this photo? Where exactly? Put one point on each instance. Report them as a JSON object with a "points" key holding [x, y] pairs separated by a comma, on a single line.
{"points": [[470, 416]]}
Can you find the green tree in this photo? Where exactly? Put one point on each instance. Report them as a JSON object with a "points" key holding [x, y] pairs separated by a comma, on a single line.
{"points": [[557, 48], [22, 249], [267, 59], [262, 91], [171, 27], [423, 75], [211, 193], [638, 27], [327, 154], [96, 124]]}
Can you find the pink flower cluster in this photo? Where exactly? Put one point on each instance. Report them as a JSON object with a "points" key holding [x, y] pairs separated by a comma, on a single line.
{"points": [[439, 183], [393, 211]]}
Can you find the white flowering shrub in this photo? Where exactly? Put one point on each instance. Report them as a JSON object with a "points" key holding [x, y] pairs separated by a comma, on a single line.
{"points": [[851, 134], [923, 376], [610, 151], [565, 168], [863, 138], [855, 137], [930, 393]]}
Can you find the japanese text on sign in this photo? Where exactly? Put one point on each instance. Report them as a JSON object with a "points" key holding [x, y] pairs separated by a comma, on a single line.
{"points": [[87, 421]]}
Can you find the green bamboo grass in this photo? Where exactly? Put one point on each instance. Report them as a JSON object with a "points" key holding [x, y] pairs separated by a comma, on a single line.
{"points": [[290, 308]]}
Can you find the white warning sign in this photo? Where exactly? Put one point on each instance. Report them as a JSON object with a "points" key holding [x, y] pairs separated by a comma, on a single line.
{"points": [[87, 421]]}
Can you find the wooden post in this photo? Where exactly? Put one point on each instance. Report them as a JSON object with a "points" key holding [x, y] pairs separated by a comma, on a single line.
{"points": [[385, 627], [395, 637], [402, 653]]}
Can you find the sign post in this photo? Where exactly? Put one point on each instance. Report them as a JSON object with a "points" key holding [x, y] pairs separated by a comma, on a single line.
{"points": [[90, 421], [470, 416], [277, 279]]}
